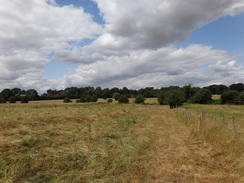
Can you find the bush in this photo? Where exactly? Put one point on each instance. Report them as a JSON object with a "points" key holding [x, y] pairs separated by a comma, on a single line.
{"points": [[88, 98], [81, 100], [241, 97], [24, 99], [110, 100], [67, 100], [161, 99], [140, 99], [175, 98], [230, 97], [116, 96], [94, 98], [203, 96], [2, 100], [12, 99], [123, 99]]}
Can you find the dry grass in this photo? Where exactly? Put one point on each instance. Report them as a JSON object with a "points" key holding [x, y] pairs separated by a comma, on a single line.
{"points": [[50, 141], [216, 97]]}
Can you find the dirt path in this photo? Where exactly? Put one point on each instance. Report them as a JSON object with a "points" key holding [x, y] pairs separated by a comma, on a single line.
{"points": [[179, 157]]}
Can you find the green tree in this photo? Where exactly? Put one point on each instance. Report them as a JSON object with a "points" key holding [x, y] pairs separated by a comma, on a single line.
{"points": [[175, 98], [140, 99], [67, 100], [94, 98], [123, 99], [2, 100], [161, 98], [116, 96], [6, 93], [16, 91], [12, 99], [88, 98], [237, 87], [203, 96], [230, 97], [241, 97], [32, 94], [24, 99]]}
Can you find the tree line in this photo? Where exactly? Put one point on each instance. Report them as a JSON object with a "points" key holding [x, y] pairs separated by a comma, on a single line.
{"points": [[172, 95]]}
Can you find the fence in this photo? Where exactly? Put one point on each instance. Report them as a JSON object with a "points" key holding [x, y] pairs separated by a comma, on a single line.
{"points": [[235, 124]]}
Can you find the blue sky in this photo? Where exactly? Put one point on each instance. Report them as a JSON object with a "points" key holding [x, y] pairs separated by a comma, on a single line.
{"points": [[226, 33], [62, 43]]}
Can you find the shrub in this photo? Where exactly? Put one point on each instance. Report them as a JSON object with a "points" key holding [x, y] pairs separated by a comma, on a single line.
{"points": [[116, 96], [140, 99], [12, 99], [82, 100], [67, 100], [123, 99], [24, 99], [2, 100], [88, 98], [241, 97], [230, 97], [94, 98], [175, 98], [161, 99], [110, 100], [203, 96]]}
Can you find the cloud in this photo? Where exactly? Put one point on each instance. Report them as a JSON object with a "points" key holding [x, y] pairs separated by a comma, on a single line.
{"points": [[31, 30], [156, 23], [221, 66], [164, 66], [133, 48], [143, 24]]}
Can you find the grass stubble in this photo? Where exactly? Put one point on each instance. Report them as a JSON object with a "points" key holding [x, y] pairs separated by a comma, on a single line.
{"points": [[56, 142]]}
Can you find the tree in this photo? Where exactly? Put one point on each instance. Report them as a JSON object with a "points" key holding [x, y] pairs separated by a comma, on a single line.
{"points": [[161, 98], [175, 98], [12, 99], [32, 94], [67, 100], [203, 96], [72, 92], [2, 100], [6, 93], [123, 99], [189, 91], [230, 97], [140, 99], [116, 96], [241, 97], [217, 89], [106, 93], [81, 100], [94, 98], [88, 98], [24, 99], [16, 91], [237, 87]]}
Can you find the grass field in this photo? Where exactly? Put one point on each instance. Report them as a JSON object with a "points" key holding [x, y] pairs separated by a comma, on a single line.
{"points": [[49, 141]]}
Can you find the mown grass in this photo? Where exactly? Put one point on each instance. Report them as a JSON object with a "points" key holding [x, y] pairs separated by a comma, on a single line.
{"points": [[49, 141]]}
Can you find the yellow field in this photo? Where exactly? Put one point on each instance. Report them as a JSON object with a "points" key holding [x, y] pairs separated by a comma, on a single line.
{"points": [[49, 141]]}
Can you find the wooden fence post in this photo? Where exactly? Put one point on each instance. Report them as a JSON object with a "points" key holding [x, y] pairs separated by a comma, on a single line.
{"points": [[199, 123], [233, 126]]}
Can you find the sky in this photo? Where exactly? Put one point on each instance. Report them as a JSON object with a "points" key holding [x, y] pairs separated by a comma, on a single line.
{"points": [[55, 44]]}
